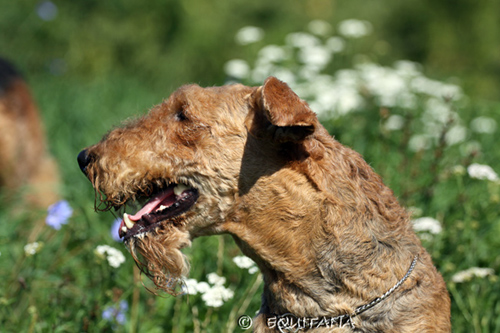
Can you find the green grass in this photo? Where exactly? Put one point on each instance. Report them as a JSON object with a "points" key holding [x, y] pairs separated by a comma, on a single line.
{"points": [[65, 287]]}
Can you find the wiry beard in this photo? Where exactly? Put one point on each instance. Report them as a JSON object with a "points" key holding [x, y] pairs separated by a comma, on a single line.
{"points": [[158, 256]]}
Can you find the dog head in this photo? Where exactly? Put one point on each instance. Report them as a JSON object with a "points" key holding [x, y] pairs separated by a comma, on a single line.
{"points": [[178, 172]]}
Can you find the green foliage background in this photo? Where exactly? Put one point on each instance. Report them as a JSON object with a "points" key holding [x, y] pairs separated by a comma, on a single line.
{"points": [[169, 42], [98, 62]]}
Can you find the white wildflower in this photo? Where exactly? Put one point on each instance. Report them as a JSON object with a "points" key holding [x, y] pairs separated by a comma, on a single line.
{"points": [[114, 257], [394, 123], [334, 97], [309, 73], [348, 100], [341, 102], [32, 248], [301, 40], [217, 295], [335, 44], [190, 287], [451, 92], [202, 287], [337, 96], [407, 100], [439, 90], [253, 270], [407, 68], [484, 125], [320, 27], [237, 68], [215, 279], [261, 71], [284, 74], [427, 224], [246, 263], [469, 274], [419, 142], [272, 53], [243, 262], [386, 84], [353, 28], [348, 77], [249, 35], [315, 56], [214, 294], [437, 111], [423, 85], [482, 171], [455, 135]]}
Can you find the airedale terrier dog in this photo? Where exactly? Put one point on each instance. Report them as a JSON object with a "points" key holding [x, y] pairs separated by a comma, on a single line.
{"points": [[337, 251], [25, 164]]}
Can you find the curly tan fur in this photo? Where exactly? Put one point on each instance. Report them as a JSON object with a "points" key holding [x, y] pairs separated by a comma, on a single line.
{"points": [[162, 262], [326, 233]]}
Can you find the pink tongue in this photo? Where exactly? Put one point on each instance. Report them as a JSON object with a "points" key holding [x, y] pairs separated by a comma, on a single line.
{"points": [[167, 198]]}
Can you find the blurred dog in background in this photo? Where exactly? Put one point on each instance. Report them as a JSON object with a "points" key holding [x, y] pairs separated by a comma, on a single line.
{"points": [[26, 167]]}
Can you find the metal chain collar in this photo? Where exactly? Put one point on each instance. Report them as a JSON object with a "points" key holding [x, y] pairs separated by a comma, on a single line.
{"points": [[346, 319], [377, 300]]}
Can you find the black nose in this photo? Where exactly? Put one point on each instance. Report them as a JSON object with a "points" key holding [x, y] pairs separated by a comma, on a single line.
{"points": [[83, 160]]}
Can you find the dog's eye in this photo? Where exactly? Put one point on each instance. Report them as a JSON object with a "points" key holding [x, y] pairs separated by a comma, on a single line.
{"points": [[181, 114]]}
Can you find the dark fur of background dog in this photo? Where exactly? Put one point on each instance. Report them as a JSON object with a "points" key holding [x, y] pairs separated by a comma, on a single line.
{"points": [[26, 167]]}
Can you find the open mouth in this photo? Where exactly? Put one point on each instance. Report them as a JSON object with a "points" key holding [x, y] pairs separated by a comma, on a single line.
{"points": [[165, 205]]}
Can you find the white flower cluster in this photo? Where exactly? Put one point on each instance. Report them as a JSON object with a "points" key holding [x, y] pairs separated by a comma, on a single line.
{"points": [[114, 257], [353, 28], [32, 248], [482, 171], [249, 35], [213, 293], [305, 58], [246, 263], [427, 224], [320, 27], [469, 274], [484, 125], [237, 68], [426, 227]]}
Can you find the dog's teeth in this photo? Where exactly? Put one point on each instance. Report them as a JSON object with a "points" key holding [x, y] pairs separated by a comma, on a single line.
{"points": [[180, 188], [128, 222], [124, 229], [162, 207]]}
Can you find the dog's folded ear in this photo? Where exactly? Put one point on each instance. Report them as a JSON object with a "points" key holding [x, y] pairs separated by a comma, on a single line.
{"points": [[279, 114]]}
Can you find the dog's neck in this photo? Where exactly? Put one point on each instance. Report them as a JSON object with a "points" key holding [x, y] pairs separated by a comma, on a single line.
{"points": [[318, 257], [315, 283]]}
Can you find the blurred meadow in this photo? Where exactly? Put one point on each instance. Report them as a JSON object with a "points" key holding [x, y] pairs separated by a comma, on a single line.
{"points": [[412, 86]]}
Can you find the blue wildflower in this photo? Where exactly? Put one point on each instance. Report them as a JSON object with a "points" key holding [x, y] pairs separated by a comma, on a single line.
{"points": [[58, 214], [116, 313], [115, 229]]}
